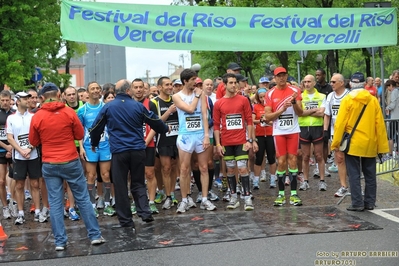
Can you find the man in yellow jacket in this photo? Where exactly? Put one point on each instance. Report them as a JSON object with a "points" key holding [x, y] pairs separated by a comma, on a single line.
{"points": [[368, 140]]}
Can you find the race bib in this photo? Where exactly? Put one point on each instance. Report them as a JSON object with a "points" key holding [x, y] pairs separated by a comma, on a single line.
{"points": [[234, 121], [3, 135], [174, 128], [23, 141], [193, 123], [285, 121], [311, 105], [334, 110]]}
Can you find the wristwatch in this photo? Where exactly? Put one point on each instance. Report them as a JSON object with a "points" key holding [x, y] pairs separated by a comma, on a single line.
{"points": [[250, 140], [198, 95], [30, 147]]}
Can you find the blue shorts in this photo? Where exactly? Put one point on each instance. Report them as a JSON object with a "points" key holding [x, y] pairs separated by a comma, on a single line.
{"points": [[191, 143], [101, 155]]}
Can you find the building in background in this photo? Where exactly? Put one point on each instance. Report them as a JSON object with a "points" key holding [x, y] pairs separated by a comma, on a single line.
{"points": [[101, 63]]}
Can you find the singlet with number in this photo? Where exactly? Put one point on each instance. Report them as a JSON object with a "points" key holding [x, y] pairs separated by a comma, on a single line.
{"points": [[3, 134], [287, 122], [190, 123], [232, 115], [312, 101], [87, 114], [333, 103], [18, 124], [159, 107]]}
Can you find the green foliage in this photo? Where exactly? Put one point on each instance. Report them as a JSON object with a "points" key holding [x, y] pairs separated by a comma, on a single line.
{"points": [[30, 36], [256, 64]]}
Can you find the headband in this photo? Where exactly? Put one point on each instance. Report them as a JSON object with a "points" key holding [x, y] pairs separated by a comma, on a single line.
{"points": [[261, 90]]}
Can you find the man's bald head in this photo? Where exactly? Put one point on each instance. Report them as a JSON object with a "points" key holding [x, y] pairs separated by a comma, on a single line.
{"points": [[122, 86], [207, 85]]}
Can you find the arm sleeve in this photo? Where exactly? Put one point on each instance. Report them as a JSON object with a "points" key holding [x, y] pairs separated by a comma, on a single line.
{"points": [[34, 137], [394, 98], [327, 111], [154, 122], [248, 113], [216, 116], [340, 124], [8, 126]]}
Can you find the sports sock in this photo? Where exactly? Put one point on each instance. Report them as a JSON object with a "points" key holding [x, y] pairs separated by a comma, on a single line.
{"points": [[245, 184], [232, 183], [293, 173], [281, 178], [211, 172], [217, 168], [90, 189], [197, 179], [107, 196]]}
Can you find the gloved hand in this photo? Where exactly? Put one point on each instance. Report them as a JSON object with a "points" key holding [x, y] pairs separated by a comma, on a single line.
{"points": [[326, 136]]}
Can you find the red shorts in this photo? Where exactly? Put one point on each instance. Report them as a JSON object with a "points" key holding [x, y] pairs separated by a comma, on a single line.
{"points": [[286, 144]]}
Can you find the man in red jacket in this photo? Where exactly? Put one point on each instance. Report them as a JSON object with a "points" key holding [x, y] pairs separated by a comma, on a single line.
{"points": [[61, 162]]}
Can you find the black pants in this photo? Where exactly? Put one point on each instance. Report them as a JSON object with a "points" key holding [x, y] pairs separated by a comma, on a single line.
{"points": [[122, 163]]}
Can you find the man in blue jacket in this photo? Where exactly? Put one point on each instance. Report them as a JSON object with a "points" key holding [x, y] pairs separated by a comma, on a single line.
{"points": [[124, 118]]}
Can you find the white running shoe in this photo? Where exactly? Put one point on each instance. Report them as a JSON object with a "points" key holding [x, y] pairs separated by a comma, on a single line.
{"points": [[207, 205]]}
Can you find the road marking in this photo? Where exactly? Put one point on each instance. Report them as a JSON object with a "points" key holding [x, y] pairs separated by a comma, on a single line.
{"points": [[382, 213]]}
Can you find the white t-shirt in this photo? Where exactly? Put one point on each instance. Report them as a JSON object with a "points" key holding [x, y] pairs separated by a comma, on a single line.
{"points": [[333, 103], [18, 124]]}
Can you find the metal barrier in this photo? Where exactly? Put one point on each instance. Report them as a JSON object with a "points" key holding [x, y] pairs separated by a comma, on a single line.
{"points": [[391, 160]]}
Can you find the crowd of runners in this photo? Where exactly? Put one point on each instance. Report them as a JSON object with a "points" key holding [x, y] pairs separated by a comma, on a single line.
{"points": [[224, 137]]}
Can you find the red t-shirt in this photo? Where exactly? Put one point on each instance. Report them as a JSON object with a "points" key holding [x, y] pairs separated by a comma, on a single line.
{"points": [[146, 127], [221, 90], [372, 90], [233, 114], [262, 129]]}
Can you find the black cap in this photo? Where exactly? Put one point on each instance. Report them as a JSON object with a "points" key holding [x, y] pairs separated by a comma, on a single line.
{"points": [[234, 66], [241, 77], [49, 87], [357, 77]]}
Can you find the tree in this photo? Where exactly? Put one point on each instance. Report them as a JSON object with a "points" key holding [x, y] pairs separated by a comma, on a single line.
{"points": [[344, 61], [30, 37]]}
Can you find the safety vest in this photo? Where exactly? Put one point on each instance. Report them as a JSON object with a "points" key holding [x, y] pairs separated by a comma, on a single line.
{"points": [[307, 104], [80, 104]]}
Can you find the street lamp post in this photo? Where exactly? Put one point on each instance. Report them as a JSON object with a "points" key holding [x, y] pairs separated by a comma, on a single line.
{"points": [[196, 67], [318, 60], [96, 52]]}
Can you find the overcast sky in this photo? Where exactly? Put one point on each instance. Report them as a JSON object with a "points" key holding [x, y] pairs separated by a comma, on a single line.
{"points": [[138, 60]]}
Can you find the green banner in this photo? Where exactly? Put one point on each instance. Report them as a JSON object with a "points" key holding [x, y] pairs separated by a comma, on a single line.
{"points": [[228, 28]]}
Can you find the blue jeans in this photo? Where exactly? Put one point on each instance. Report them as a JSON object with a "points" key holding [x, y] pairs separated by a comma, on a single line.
{"points": [[72, 172], [354, 166]]}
